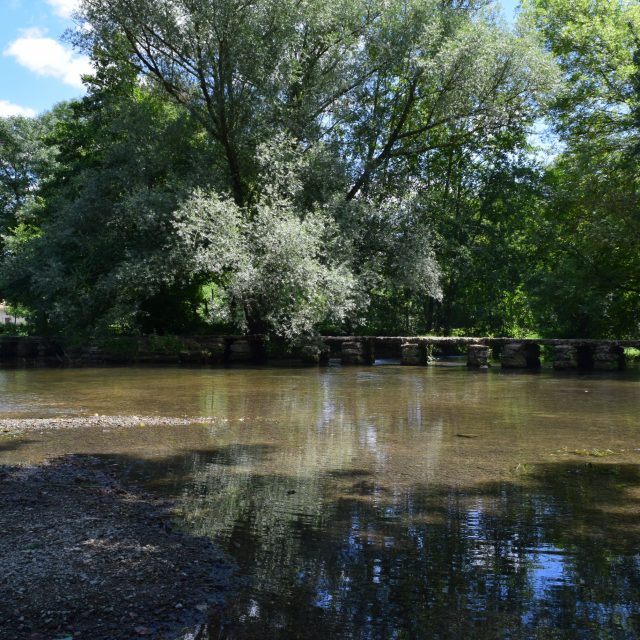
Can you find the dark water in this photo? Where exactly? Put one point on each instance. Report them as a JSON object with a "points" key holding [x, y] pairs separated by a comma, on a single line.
{"points": [[383, 502]]}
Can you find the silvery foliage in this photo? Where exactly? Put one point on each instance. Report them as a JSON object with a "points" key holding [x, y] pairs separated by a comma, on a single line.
{"points": [[272, 260], [288, 277], [207, 234], [413, 264], [391, 242]]}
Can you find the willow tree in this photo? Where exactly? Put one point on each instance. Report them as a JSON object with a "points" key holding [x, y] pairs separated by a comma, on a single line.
{"points": [[387, 82], [242, 68]]}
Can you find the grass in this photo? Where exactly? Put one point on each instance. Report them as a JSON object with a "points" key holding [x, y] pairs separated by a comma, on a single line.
{"points": [[632, 353], [594, 453]]}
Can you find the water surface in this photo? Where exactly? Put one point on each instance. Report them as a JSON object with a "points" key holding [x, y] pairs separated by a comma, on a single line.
{"points": [[382, 502]]}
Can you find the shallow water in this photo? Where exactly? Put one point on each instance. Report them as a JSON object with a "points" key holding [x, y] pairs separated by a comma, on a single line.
{"points": [[382, 502]]}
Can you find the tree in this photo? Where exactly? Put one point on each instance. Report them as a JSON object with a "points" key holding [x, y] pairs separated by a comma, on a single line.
{"points": [[367, 112], [124, 161], [387, 81], [25, 162], [589, 283]]}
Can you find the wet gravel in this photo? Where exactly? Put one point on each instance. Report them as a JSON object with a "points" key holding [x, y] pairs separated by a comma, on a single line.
{"points": [[83, 557], [22, 425]]}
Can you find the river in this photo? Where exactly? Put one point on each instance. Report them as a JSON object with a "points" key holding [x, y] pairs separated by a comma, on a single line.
{"points": [[382, 502]]}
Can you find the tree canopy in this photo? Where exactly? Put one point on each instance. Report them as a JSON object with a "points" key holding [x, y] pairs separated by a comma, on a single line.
{"points": [[363, 165]]}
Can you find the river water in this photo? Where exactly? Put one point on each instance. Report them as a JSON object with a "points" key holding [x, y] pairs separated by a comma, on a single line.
{"points": [[382, 502]]}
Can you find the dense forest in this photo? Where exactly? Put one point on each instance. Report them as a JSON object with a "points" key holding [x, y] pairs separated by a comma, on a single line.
{"points": [[361, 166]]}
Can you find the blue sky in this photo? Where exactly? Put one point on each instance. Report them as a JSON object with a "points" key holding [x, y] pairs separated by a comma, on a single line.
{"points": [[37, 68]]}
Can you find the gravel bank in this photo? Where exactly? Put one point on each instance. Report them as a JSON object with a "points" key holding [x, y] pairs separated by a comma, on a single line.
{"points": [[22, 425], [82, 557]]}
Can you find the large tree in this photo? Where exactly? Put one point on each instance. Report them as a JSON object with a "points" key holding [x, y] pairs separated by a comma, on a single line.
{"points": [[326, 141], [388, 82]]}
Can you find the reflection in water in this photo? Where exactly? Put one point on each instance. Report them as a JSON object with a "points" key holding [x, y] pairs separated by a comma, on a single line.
{"points": [[503, 560], [385, 502]]}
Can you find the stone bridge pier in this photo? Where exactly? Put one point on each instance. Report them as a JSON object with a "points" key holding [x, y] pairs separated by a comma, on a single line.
{"points": [[595, 356], [478, 356], [525, 353], [608, 358], [414, 353], [357, 351], [579, 354], [520, 355]]}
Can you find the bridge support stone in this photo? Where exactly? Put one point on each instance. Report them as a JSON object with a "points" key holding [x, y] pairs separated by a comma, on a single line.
{"points": [[217, 348], [240, 351], [8, 347], [250, 349], [565, 356], [28, 348], [608, 357], [312, 354], [203, 350], [478, 356], [413, 353], [520, 355], [357, 352], [193, 357]]}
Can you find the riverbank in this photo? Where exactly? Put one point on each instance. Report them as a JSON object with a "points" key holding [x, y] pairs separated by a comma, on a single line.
{"points": [[83, 557]]}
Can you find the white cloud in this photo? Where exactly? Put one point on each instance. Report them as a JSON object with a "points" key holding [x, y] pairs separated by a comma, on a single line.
{"points": [[47, 57], [9, 109], [64, 8]]}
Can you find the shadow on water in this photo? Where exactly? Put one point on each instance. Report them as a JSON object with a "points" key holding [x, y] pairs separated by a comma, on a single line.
{"points": [[15, 445], [167, 474], [551, 554]]}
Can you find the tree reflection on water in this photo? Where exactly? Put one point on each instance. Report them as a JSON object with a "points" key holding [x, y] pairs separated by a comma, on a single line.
{"points": [[553, 554]]}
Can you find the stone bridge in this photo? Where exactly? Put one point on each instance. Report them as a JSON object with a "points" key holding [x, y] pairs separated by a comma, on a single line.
{"points": [[511, 353]]}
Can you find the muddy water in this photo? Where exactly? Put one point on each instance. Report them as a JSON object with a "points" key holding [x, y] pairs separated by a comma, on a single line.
{"points": [[381, 502]]}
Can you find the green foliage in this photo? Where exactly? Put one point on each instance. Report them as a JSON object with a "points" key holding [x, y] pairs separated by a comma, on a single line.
{"points": [[108, 208], [290, 167], [588, 281]]}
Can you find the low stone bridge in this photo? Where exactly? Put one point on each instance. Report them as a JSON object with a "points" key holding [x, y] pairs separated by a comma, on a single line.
{"points": [[513, 353]]}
